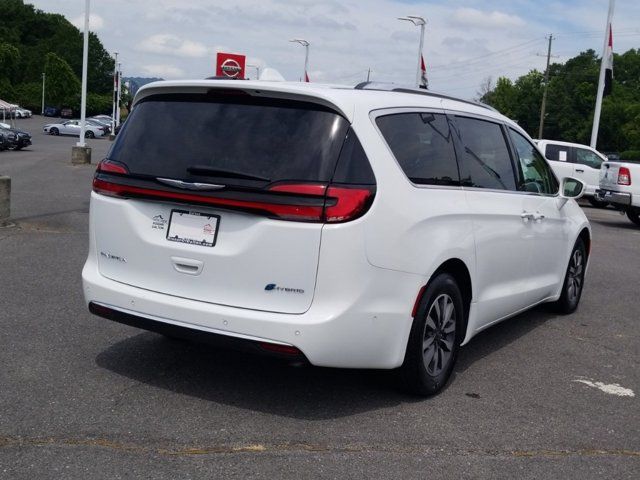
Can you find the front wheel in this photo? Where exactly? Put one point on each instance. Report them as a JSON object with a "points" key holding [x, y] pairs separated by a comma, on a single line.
{"points": [[89, 134], [54, 131], [435, 337], [573, 280], [633, 214]]}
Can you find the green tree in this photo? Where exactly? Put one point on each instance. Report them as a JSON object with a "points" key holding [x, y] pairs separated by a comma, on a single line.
{"points": [[62, 85]]}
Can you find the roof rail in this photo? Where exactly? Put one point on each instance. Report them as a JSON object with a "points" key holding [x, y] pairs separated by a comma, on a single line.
{"points": [[390, 87]]}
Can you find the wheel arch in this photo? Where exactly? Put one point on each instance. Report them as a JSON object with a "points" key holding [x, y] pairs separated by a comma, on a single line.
{"points": [[458, 269], [585, 235]]}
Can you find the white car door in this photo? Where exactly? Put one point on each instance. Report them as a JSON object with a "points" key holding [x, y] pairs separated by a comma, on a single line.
{"points": [[67, 128], [504, 238], [548, 223], [587, 168]]}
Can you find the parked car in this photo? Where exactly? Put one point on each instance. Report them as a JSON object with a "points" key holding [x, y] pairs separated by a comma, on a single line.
{"points": [[17, 139], [575, 160], [51, 112], [620, 186], [72, 127], [5, 143], [66, 113], [106, 129], [22, 113], [374, 227]]}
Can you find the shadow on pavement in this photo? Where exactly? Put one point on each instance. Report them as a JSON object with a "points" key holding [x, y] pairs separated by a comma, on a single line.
{"points": [[272, 386]]}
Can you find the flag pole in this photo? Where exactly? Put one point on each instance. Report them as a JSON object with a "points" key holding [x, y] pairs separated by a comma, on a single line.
{"points": [[603, 67]]}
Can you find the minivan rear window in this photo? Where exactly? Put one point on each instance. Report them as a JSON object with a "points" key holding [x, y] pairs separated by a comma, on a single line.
{"points": [[191, 136]]}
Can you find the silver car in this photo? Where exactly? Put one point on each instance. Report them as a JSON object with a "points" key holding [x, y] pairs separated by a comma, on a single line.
{"points": [[72, 127]]}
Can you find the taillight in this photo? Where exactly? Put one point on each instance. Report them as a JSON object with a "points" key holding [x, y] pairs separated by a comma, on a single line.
{"points": [[281, 349], [350, 203], [111, 166], [624, 176], [303, 202]]}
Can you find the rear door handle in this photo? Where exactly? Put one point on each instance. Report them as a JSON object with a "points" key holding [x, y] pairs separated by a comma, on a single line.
{"points": [[538, 216], [579, 170], [526, 216]]}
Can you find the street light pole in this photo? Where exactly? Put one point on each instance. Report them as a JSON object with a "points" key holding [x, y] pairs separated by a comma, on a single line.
{"points": [[85, 61], [418, 22], [115, 92], [118, 101], [44, 76], [305, 44]]}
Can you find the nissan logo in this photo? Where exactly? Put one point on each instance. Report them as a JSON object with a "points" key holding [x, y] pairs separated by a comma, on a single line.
{"points": [[230, 68]]}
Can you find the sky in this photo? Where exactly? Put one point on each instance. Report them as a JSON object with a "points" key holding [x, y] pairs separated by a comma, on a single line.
{"points": [[466, 41]]}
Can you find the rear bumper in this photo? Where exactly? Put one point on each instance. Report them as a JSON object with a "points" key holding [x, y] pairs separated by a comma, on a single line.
{"points": [[621, 199], [365, 329]]}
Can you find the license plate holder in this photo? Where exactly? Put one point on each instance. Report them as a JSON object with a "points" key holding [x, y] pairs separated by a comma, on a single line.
{"points": [[193, 228]]}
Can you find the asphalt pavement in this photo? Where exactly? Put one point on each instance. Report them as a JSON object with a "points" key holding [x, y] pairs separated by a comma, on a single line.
{"points": [[538, 396]]}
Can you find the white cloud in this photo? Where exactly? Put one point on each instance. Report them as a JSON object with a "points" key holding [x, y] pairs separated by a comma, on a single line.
{"points": [[167, 44], [96, 22], [163, 71], [470, 17]]}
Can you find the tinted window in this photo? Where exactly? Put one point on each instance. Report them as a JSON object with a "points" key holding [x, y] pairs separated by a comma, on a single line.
{"points": [[353, 164], [587, 157], [270, 139], [485, 161], [537, 176], [423, 146], [557, 152]]}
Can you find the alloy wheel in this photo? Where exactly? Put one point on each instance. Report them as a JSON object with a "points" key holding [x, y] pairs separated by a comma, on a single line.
{"points": [[574, 280], [439, 334]]}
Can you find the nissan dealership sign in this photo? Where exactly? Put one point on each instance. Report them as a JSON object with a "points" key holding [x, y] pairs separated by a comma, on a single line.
{"points": [[230, 65]]}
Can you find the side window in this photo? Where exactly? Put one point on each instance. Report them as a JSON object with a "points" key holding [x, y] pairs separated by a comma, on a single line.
{"points": [[423, 146], [353, 165], [485, 161], [536, 173], [557, 152], [587, 157]]}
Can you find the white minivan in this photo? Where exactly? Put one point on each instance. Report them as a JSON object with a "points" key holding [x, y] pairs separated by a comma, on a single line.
{"points": [[575, 160], [368, 227]]}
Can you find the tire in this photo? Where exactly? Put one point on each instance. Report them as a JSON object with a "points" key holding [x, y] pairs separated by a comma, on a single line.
{"points": [[573, 280], [597, 203], [425, 371], [54, 131], [89, 134], [633, 214]]}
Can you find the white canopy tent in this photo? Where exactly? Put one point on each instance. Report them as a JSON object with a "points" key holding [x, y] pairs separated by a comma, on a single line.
{"points": [[7, 108]]}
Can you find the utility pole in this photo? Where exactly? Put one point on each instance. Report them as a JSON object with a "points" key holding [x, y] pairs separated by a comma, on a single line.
{"points": [[546, 87]]}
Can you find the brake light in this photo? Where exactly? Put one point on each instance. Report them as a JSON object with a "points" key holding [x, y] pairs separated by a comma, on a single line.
{"points": [[305, 202], [350, 203], [111, 166], [624, 176]]}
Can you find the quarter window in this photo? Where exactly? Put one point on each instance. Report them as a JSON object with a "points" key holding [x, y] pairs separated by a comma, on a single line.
{"points": [[536, 173], [557, 152], [423, 146]]}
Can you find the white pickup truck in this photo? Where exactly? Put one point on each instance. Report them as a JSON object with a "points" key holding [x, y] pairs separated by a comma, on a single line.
{"points": [[620, 186], [575, 160]]}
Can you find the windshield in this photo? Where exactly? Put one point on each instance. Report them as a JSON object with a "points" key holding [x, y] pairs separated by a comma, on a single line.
{"points": [[188, 136]]}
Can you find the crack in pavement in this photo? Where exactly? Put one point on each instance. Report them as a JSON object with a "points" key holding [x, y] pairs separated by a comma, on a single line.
{"points": [[258, 448]]}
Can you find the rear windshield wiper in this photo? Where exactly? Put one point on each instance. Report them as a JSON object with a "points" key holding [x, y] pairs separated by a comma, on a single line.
{"points": [[204, 171]]}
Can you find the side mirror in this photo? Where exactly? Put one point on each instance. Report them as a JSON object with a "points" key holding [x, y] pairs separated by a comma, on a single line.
{"points": [[571, 188]]}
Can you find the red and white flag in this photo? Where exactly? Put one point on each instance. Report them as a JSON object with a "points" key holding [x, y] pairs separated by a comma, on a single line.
{"points": [[608, 61], [424, 81]]}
